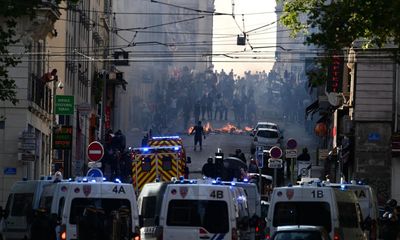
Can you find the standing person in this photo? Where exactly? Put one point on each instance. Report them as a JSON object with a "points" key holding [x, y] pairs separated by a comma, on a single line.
{"points": [[196, 111], [253, 167], [208, 168], [304, 156], [203, 103], [198, 131], [209, 108]]}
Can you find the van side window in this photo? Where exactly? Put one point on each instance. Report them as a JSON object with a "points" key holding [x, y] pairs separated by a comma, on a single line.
{"points": [[149, 207], [146, 164], [8, 204], [211, 215], [302, 213], [22, 204], [348, 215]]}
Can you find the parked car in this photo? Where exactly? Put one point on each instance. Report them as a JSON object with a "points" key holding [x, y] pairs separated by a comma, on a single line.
{"points": [[268, 138], [270, 125], [303, 232]]}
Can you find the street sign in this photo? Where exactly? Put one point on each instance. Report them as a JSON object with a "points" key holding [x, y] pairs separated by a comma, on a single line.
{"points": [[95, 173], [323, 154], [10, 171], [26, 157], [275, 152], [64, 105], [291, 153], [260, 156], [275, 163], [304, 169], [94, 164], [291, 143], [95, 151], [84, 108], [62, 137]]}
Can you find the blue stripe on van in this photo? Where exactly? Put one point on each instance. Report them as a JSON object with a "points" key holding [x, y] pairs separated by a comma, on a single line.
{"points": [[218, 236]]}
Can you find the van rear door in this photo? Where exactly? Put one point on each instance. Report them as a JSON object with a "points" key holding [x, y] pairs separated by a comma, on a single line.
{"points": [[197, 219], [20, 215]]}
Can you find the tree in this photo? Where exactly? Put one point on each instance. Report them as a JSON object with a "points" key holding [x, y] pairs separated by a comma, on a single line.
{"points": [[10, 11], [334, 25]]}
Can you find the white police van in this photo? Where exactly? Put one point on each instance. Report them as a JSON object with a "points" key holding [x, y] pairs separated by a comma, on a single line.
{"points": [[89, 208], [149, 203], [192, 210], [22, 202], [337, 210], [368, 204], [254, 206]]}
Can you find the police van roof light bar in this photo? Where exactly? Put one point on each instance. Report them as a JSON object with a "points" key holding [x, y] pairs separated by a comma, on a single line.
{"points": [[165, 137]]}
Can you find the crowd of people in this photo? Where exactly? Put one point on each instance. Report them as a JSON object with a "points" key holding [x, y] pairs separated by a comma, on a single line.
{"points": [[211, 95]]}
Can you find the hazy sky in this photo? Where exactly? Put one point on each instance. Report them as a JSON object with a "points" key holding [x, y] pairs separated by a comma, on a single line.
{"points": [[257, 14]]}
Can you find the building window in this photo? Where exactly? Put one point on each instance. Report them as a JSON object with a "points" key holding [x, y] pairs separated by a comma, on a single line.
{"points": [[2, 124]]}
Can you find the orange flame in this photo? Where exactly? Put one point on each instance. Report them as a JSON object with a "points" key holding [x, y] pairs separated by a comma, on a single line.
{"points": [[227, 128], [190, 130], [248, 129], [208, 128]]}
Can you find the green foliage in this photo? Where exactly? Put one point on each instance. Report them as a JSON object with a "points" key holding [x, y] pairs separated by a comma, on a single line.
{"points": [[341, 22], [10, 11], [334, 25]]}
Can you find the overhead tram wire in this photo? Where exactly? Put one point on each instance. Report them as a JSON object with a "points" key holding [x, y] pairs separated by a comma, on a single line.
{"points": [[157, 25], [167, 13]]}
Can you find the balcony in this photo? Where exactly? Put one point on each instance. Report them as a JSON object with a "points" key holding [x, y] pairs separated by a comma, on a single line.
{"points": [[46, 15], [40, 97]]}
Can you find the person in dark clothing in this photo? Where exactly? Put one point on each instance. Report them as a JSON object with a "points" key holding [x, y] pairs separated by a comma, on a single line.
{"points": [[253, 167], [198, 131], [208, 169], [304, 156], [209, 107], [239, 154], [203, 103], [196, 111], [145, 140], [119, 141]]}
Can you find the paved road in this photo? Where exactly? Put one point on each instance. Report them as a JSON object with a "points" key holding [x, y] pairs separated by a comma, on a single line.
{"points": [[229, 142]]}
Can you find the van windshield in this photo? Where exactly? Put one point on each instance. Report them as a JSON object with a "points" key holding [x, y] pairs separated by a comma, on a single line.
{"points": [[302, 213], [267, 134], [211, 215]]}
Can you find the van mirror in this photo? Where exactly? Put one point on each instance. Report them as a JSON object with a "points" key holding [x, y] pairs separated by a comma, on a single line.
{"points": [[188, 160]]}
